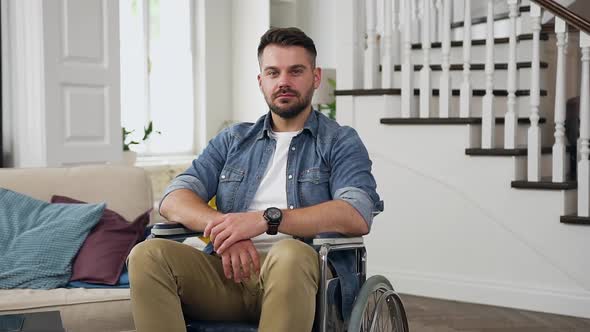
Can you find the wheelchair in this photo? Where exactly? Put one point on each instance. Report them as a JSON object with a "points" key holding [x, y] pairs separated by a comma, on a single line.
{"points": [[377, 307]]}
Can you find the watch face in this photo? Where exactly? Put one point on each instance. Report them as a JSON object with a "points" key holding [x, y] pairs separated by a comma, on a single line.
{"points": [[274, 214]]}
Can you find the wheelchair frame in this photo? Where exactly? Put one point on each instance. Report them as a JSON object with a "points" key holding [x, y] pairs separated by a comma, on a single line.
{"points": [[177, 232], [337, 244]]}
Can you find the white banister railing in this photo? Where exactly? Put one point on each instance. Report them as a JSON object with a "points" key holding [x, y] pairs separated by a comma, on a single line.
{"points": [[407, 67], [465, 92], [444, 99], [410, 21], [534, 133], [559, 153], [387, 59], [488, 121], [511, 117], [425, 86], [583, 164]]}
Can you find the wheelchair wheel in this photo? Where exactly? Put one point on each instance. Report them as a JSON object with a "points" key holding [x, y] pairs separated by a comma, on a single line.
{"points": [[378, 308]]}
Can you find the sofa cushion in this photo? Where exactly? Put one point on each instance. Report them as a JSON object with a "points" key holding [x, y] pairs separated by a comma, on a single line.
{"points": [[123, 282], [103, 254], [126, 190], [39, 240]]}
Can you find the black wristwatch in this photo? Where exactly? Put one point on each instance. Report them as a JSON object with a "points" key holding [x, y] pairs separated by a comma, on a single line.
{"points": [[273, 217]]}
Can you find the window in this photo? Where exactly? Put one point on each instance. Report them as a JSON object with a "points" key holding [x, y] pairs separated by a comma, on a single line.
{"points": [[157, 75]]}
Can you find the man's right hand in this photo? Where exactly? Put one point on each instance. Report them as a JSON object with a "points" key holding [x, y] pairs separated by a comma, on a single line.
{"points": [[240, 261]]}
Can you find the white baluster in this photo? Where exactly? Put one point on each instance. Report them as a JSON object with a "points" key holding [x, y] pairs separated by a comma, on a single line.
{"points": [[444, 98], [534, 133], [425, 86], [440, 21], [559, 155], [395, 36], [511, 117], [371, 53], [416, 17], [488, 122], [387, 58], [465, 92], [407, 67], [584, 163]]}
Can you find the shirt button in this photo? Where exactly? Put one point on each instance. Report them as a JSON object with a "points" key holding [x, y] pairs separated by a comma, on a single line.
{"points": [[290, 176], [223, 176], [291, 207], [293, 149]]}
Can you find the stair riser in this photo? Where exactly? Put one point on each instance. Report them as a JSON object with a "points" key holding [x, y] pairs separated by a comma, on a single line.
{"points": [[547, 138], [546, 167], [478, 79], [500, 106], [478, 53], [501, 28]]}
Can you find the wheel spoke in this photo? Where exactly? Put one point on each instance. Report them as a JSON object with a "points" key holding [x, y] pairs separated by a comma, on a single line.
{"points": [[378, 308]]}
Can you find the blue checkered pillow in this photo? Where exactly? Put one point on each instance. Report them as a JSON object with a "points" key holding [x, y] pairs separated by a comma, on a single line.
{"points": [[39, 240]]}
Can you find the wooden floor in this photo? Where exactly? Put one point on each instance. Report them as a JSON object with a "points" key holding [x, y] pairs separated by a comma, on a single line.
{"points": [[433, 315]]}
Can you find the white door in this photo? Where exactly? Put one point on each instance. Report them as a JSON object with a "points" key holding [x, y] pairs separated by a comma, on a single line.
{"points": [[82, 81]]}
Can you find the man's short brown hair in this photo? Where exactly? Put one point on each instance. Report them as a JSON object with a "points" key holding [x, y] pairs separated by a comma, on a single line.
{"points": [[287, 37]]}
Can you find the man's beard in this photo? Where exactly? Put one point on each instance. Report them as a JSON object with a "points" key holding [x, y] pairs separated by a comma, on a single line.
{"points": [[295, 109]]}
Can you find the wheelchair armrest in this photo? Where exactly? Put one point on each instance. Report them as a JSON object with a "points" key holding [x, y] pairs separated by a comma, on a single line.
{"points": [[172, 231], [338, 240], [337, 244]]}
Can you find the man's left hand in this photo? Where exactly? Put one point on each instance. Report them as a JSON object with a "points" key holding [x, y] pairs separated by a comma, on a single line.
{"points": [[233, 227]]}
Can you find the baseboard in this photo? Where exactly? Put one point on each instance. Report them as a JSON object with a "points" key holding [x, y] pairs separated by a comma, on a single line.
{"points": [[568, 303]]}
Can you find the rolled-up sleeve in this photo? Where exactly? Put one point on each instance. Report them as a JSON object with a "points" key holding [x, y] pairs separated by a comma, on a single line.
{"points": [[351, 179], [186, 182], [361, 201], [202, 176]]}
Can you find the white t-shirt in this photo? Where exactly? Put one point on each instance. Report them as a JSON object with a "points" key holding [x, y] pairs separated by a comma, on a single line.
{"points": [[272, 191]]}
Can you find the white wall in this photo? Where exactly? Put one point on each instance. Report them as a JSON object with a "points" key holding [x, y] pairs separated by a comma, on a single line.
{"points": [[213, 68], [321, 27], [454, 228], [250, 20], [317, 19]]}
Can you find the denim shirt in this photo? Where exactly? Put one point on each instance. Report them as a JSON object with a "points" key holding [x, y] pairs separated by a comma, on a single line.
{"points": [[326, 161]]}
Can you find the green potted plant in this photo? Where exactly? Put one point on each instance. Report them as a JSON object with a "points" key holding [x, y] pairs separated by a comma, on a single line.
{"points": [[323, 98], [130, 156], [330, 108]]}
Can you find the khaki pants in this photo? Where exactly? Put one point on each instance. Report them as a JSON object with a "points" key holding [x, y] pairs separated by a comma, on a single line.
{"points": [[169, 279]]}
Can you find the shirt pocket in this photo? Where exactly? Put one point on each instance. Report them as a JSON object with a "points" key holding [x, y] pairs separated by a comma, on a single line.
{"points": [[227, 189], [314, 187]]}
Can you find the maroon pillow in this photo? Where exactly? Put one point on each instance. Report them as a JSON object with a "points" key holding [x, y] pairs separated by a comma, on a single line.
{"points": [[103, 253]]}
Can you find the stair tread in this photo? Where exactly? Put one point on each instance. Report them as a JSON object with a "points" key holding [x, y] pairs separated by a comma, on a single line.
{"points": [[479, 42], [476, 66], [545, 183], [447, 121], [520, 151], [435, 92], [484, 19], [574, 220]]}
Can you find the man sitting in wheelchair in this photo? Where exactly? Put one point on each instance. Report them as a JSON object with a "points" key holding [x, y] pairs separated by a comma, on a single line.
{"points": [[291, 176]]}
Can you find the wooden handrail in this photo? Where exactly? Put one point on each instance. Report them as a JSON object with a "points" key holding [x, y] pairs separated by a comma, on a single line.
{"points": [[565, 14]]}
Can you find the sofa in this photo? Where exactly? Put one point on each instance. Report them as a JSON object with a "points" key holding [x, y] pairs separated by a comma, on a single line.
{"points": [[125, 190]]}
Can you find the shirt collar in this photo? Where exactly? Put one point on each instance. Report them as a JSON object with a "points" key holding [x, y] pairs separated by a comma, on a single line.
{"points": [[311, 124]]}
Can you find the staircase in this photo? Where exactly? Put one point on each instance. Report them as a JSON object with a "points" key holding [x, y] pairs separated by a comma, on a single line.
{"points": [[466, 132]]}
